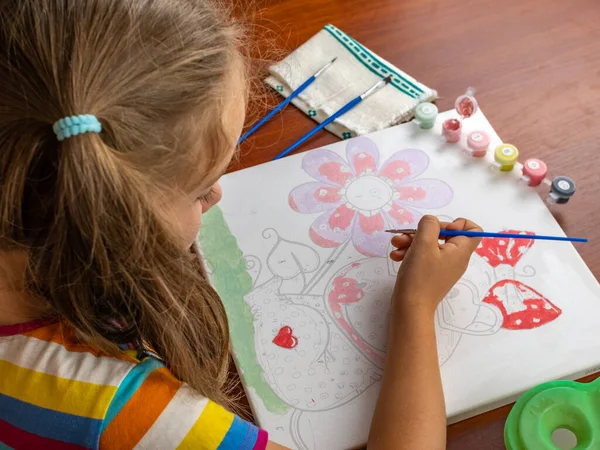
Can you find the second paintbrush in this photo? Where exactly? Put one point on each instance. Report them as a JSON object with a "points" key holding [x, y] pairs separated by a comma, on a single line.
{"points": [[286, 101], [343, 110]]}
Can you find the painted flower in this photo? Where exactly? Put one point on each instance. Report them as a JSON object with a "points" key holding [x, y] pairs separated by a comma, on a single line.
{"points": [[358, 198], [346, 135], [312, 113]]}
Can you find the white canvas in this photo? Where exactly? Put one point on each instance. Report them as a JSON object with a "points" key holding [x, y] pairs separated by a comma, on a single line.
{"points": [[308, 309]]}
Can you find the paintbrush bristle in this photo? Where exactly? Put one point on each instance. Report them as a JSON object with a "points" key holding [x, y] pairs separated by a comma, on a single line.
{"points": [[387, 79]]}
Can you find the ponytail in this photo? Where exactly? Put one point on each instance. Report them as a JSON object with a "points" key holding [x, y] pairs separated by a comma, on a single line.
{"points": [[109, 266], [88, 210]]}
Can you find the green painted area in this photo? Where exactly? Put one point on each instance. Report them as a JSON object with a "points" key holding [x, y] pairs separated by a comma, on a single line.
{"points": [[229, 276]]}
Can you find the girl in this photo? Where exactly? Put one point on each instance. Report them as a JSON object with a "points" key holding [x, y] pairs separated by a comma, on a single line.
{"points": [[117, 117]]}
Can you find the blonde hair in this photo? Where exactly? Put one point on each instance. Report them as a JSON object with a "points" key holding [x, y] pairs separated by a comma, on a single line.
{"points": [[99, 254]]}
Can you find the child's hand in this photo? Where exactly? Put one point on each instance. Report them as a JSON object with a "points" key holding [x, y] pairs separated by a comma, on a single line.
{"points": [[429, 270]]}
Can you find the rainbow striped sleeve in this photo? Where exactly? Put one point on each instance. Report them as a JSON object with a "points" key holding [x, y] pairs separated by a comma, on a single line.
{"points": [[152, 409], [57, 393], [53, 395]]}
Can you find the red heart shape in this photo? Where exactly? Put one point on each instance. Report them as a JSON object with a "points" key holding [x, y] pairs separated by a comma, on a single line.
{"points": [[285, 338]]}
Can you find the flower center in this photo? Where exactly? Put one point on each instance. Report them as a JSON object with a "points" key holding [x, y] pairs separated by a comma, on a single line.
{"points": [[369, 193]]}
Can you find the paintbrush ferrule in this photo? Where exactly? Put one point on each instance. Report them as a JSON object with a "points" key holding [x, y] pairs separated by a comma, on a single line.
{"points": [[376, 87], [403, 231], [324, 68]]}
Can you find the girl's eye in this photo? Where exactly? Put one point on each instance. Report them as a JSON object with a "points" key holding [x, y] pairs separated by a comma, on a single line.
{"points": [[208, 197]]}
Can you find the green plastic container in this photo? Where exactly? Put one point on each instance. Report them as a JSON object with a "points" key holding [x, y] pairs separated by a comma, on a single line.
{"points": [[425, 113], [551, 406]]}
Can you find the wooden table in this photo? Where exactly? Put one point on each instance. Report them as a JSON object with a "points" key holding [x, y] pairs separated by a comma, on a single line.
{"points": [[536, 67]]}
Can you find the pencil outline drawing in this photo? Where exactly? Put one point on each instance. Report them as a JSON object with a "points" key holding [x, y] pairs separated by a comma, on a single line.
{"points": [[319, 301], [336, 311]]}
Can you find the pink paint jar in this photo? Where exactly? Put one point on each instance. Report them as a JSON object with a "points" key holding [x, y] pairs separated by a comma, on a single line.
{"points": [[466, 105], [451, 129], [478, 143], [534, 172]]}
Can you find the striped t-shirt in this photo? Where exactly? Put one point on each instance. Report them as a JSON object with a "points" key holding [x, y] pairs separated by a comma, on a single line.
{"points": [[58, 393]]}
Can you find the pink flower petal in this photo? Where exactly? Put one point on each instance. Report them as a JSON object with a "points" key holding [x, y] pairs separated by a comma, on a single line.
{"points": [[334, 172], [395, 170], [371, 224], [405, 165], [411, 193], [327, 166], [368, 236], [333, 227], [425, 193], [342, 217], [363, 155], [404, 217], [321, 241], [314, 197], [328, 195]]}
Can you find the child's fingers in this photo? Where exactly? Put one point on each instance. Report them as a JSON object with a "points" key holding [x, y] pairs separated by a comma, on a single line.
{"points": [[468, 243], [398, 255], [401, 241], [463, 224], [428, 231]]}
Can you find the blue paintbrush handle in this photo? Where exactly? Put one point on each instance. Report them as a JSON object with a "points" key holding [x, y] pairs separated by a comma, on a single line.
{"points": [[451, 233], [278, 108], [343, 110]]}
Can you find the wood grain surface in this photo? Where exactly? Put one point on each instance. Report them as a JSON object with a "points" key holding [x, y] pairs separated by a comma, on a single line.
{"points": [[535, 65]]}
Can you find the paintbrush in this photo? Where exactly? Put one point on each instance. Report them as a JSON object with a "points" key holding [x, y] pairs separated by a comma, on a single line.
{"points": [[343, 110], [286, 101], [483, 234]]}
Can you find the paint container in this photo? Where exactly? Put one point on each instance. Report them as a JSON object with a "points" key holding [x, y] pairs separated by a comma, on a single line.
{"points": [[425, 115], [451, 130], [466, 105], [478, 143], [534, 172], [505, 157], [561, 190]]}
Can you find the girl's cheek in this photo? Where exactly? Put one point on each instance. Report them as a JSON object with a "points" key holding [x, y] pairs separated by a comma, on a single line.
{"points": [[191, 227], [190, 223], [197, 211]]}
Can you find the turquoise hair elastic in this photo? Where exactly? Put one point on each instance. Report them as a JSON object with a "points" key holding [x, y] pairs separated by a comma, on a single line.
{"points": [[74, 125]]}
